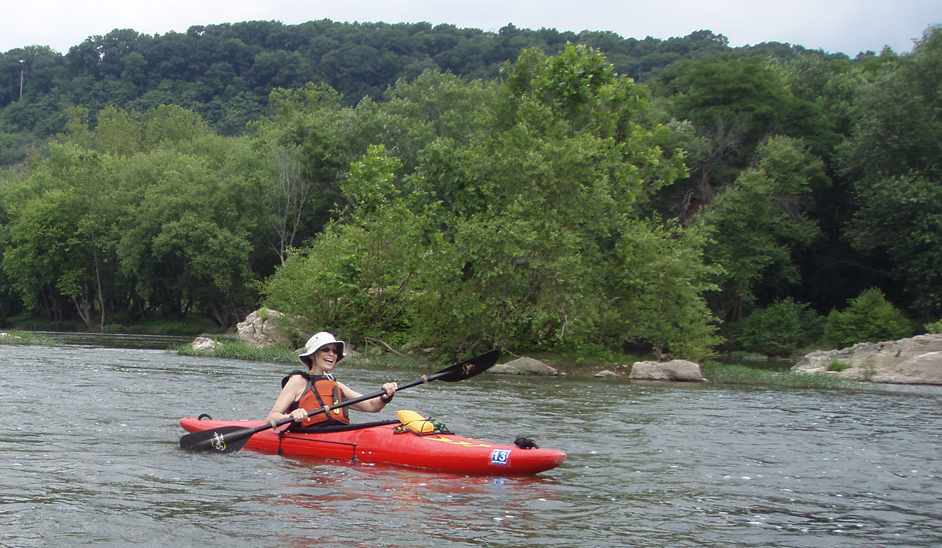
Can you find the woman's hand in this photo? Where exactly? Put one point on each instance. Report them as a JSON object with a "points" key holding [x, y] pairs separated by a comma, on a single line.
{"points": [[390, 390], [298, 415]]}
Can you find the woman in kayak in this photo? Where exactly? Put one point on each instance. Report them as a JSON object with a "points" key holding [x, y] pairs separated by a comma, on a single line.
{"points": [[317, 389]]}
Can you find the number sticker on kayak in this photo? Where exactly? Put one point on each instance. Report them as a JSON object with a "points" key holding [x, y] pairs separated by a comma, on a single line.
{"points": [[500, 456]]}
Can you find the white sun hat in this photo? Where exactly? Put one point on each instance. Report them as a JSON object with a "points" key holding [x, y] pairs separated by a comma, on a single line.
{"points": [[316, 342]]}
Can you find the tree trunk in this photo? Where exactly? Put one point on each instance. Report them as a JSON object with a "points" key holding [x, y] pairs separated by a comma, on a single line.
{"points": [[84, 309], [101, 297]]}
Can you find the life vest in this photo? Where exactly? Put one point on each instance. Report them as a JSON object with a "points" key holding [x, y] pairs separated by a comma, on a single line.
{"points": [[321, 390]]}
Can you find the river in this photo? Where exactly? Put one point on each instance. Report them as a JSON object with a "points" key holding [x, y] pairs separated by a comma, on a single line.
{"points": [[89, 456]]}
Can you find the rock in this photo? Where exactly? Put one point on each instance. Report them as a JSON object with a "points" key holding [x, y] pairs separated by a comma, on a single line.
{"points": [[922, 369], [605, 373], [204, 344], [260, 328], [524, 366], [916, 360], [674, 370]]}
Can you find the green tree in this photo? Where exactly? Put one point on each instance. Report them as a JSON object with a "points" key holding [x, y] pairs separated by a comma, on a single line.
{"points": [[59, 242], [868, 317], [186, 235], [893, 156], [779, 329], [735, 103], [500, 227], [658, 287], [760, 222], [357, 276], [902, 217]]}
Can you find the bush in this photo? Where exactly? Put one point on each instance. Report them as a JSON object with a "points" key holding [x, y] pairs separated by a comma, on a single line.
{"points": [[868, 317], [779, 329], [838, 365], [935, 327]]}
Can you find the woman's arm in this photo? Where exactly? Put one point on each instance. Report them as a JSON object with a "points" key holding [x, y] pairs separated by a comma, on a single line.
{"points": [[288, 394], [373, 405]]}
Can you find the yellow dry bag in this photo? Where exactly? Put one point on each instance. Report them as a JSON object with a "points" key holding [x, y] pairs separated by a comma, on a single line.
{"points": [[415, 422]]}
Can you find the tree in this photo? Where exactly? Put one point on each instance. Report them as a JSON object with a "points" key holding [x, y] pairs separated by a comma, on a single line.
{"points": [[893, 157], [358, 276], [503, 230], [779, 329], [290, 197], [735, 104], [868, 317], [902, 217], [60, 240], [760, 222]]}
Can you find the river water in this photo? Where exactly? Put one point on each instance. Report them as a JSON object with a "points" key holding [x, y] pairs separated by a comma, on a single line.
{"points": [[89, 456]]}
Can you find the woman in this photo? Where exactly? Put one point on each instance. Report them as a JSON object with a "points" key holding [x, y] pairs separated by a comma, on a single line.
{"points": [[317, 388]]}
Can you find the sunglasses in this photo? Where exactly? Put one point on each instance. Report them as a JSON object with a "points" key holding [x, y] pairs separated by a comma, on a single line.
{"points": [[329, 348]]}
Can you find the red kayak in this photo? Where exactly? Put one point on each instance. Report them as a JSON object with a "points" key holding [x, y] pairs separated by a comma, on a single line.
{"points": [[387, 443]]}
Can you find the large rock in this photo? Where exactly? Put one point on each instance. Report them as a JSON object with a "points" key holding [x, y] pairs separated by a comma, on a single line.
{"points": [[674, 370], [916, 360], [260, 328], [203, 344], [524, 366]]}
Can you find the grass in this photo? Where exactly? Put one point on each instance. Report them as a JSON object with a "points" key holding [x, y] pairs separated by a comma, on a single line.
{"points": [[237, 350], [721, 373], [24, 338], [717, 373], [838, 365]]}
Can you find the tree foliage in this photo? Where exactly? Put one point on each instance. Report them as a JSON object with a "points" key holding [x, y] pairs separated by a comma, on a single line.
{"points": [[780, 329], [514, 213], [761, 221], [140, 214], [453, 188], [868, 317]]}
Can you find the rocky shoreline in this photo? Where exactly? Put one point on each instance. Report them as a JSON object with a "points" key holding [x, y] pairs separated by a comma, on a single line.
{"points": [[915, 360]]}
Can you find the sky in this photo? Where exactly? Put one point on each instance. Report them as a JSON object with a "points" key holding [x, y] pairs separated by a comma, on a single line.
{"points": [[846, 26]]}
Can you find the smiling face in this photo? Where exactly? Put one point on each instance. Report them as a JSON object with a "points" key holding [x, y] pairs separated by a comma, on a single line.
{"points": [[325, 359]]}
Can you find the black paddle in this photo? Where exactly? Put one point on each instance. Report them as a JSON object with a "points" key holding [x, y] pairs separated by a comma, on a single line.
{"points": [[230, 439]]}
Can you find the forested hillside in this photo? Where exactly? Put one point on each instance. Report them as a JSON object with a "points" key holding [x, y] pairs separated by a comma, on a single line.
{"points": [[225, 72], [449, 187]]}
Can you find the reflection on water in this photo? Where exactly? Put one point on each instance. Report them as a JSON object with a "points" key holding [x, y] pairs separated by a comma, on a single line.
{"points": [[115, 340], [90, 456]]}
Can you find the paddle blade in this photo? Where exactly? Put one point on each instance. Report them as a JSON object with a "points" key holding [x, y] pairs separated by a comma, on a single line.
{"points": [[227, 439], [469, 368]]}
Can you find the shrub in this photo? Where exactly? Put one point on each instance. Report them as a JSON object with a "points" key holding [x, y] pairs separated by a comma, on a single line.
{"points": [[779, 329], [868, 317], [934, 327]]}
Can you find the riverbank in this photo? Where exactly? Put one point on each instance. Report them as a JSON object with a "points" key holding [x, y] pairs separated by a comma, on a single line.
{"points": [[16, 337], [717, 372], [189, 326], [765, 375]]}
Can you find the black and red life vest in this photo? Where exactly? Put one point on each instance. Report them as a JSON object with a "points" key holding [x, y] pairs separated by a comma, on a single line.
{"points": [[321, 390]]}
